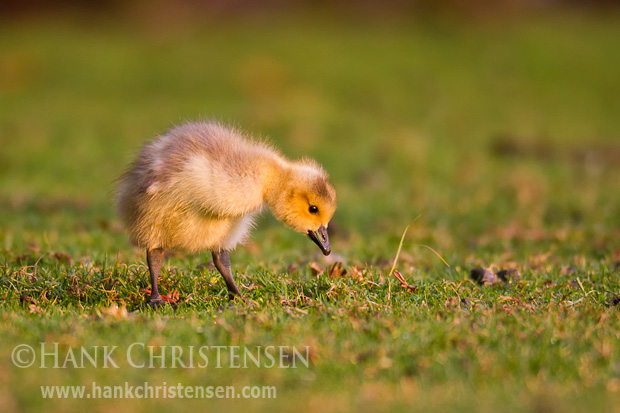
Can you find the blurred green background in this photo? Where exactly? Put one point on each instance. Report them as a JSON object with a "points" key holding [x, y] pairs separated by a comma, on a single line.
{"points": [[493, 128], [480, 121], [457, 117]]}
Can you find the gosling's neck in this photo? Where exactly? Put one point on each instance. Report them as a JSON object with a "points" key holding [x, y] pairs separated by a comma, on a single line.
{"points": [[276, 174]]}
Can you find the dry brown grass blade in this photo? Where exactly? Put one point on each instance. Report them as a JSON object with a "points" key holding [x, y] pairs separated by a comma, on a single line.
{"points": [[400, 247], [403, 282], [436, 253]]}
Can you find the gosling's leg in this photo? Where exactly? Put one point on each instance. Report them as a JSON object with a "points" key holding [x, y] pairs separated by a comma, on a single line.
{"points": [[155, 260], [222, 263]]}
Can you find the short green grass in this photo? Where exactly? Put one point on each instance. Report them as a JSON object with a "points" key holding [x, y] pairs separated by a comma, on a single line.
{"points": [[497, 142]]}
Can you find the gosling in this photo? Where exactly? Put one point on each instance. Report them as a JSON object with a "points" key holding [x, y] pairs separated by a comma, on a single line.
{"points": [[200, 187]]}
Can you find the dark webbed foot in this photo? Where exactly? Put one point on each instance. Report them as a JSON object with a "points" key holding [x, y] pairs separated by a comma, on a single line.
{"points": [[155, 302], [236, 298], [229, 306]]}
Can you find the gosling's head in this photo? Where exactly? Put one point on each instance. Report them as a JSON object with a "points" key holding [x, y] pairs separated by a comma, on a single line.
{"points": [[306, 202]]}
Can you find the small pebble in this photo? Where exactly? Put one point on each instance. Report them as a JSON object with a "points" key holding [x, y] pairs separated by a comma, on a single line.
{"points": [[568, 270], [483, 276], [26, 299], [509, 275]]}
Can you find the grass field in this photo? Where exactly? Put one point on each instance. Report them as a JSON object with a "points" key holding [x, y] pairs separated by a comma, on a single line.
{"points": [[498, 143]]}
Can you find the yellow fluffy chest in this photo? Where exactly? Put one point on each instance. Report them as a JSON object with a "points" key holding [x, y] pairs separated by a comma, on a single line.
{"points": [[196, 232]]}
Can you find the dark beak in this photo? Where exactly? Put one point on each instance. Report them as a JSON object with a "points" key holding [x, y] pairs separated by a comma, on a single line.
{"points": [[321, 239]]}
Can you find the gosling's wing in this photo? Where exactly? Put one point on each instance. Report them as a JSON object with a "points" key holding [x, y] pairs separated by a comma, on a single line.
{"points": [[205, 166], [221, 188]]}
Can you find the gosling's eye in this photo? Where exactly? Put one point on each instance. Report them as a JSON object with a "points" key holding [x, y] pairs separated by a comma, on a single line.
{"points": [[313, 209]]}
